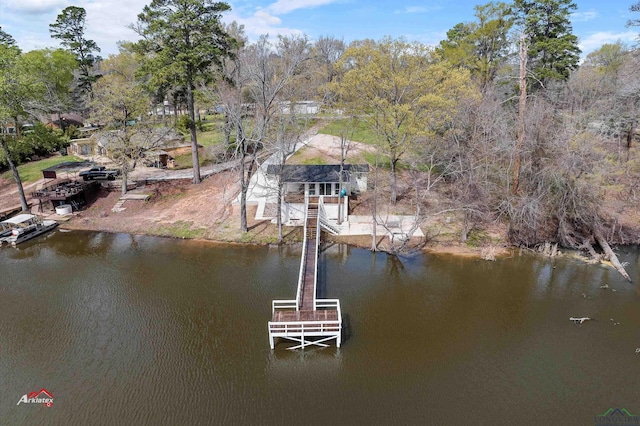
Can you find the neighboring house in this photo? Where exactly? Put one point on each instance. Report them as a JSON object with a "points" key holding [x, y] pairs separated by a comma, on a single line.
{"points": [[104, 141], [163, 109], [63, 121], [162, 146], [301, 181], [11, 128], [8, 129], [85, 147], [300, 107]]}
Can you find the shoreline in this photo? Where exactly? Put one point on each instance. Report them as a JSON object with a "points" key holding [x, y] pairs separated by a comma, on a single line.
{"points": [[359, 241], [441, 248]]}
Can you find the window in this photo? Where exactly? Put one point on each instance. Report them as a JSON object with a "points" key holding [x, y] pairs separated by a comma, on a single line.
{"points": [[325, 189], [312, 189]]}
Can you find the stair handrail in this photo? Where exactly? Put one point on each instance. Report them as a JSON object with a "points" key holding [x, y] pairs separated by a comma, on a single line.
{"points": [[315, 273], [323, 219], [303, 260]]}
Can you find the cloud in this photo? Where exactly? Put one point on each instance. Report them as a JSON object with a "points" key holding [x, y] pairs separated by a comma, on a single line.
{"points": [[584, 16], [29, 42], [35, 7], [281, 7], [260, 23], [416, 9], [266, 20], [430, 38], [596, 40], [107, 22]]}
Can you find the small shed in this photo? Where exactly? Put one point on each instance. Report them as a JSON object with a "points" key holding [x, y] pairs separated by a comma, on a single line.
{"points": [[158, 158]]}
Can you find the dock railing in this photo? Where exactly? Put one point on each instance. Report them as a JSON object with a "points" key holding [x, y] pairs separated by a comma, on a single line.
{"points": [[317, 328], [303, 260], [305, 328], [315, 273], [283, 305], [329, 304]]}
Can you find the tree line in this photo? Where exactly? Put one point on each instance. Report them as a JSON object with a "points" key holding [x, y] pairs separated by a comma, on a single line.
{"points": [[501, 115]]}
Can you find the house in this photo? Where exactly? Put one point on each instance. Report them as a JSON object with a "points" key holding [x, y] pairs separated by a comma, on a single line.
{"points": [[300, 107], [10, 129], [84, 147], [302, 181], [153, 139], [63, 121]]}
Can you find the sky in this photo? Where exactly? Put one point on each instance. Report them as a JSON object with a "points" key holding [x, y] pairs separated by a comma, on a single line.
{"points": [[595, 22]]}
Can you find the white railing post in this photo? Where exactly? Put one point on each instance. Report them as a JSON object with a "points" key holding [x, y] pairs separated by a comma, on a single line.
{"points": [[345, 208]]}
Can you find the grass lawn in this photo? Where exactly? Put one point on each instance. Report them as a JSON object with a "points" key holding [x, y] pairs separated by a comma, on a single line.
{"points": [[186, 161], [179, 229], [358, 131], [31, 172], [316, 161], [211, 133]]}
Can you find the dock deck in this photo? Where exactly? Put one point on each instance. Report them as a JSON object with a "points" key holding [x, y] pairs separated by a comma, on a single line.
{"points": [[307, 316]]}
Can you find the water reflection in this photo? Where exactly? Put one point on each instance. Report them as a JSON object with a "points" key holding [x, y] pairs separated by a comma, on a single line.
{"points": [[98, 319]]}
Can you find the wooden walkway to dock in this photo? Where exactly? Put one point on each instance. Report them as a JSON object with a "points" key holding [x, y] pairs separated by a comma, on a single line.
{"points": [[307, 316]]}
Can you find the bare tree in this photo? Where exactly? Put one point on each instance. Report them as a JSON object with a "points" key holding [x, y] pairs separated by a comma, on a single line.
{"points": [[521, 114], [256, 81]]}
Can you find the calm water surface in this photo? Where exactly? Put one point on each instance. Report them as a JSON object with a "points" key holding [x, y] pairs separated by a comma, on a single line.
{"points": [[135, 330]]}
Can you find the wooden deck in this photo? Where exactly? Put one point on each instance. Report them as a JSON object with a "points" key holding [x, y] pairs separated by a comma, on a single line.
{"points": [[310, 263], [319, 315], [67, 192]]}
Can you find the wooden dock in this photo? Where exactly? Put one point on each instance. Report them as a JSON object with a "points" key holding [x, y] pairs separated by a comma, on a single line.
{"points": [[307, 320]]}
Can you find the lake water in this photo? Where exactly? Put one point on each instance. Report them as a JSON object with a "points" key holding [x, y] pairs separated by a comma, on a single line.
{"points": [[132, 330]]}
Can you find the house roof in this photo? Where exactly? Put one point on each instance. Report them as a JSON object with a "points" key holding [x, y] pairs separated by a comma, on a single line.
{"points": [[71, 118], [293, 173]]}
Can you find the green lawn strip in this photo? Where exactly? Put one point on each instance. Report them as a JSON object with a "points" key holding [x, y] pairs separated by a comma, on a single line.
{"points": [[186, 161], [358, 131], [32, 171], [179, 229], [211, 132], [316, 161]]}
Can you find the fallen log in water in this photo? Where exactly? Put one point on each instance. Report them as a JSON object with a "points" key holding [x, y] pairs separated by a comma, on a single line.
{"points": [[611, 255], [587, 244]]}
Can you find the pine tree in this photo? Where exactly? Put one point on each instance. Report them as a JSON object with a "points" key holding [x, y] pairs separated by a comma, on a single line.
{"points": [[183, 39], [552, 47], [69, 29]]}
